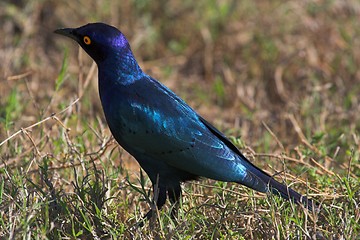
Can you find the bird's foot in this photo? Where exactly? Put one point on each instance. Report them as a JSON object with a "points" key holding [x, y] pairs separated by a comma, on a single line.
{"points": [[149, 216]]}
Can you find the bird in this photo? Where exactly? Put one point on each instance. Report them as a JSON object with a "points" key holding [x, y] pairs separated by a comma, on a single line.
{"points": [[170, 140]]}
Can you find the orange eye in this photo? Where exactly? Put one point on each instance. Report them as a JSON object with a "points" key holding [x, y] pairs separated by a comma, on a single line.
{"points": [[87, 40]]}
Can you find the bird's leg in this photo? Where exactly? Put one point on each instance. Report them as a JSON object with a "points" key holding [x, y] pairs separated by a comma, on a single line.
{"points": [[159, 198], [174, 197]]}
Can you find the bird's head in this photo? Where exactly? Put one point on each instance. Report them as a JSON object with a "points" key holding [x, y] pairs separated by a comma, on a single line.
{"points": [[99, 40]]}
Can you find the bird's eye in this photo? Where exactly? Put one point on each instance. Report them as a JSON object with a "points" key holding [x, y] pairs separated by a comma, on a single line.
{"points": [[87, 40]]}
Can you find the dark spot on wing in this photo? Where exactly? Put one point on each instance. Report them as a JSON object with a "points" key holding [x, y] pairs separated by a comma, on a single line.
{"points": [[192, 144]]}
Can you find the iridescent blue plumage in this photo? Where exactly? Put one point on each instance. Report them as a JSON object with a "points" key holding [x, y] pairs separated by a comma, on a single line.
{"points": [[171, 142]]}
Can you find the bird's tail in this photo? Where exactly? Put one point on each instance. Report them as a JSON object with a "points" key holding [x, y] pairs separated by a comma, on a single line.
{"points": [[278, 188], [287, 193], [258, 179]]}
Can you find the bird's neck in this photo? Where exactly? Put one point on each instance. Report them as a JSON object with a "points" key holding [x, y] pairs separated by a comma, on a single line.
{"points": [[116, 73], [120, 69]]}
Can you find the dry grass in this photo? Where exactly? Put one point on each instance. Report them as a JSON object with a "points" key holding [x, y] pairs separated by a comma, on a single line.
{"points": [[282, 75]]}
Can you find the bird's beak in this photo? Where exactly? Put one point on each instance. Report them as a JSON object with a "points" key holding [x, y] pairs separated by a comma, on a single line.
{"points": [[68, 32]]}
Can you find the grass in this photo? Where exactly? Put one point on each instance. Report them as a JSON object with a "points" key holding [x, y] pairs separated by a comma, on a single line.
{"points": [[279, 78]]}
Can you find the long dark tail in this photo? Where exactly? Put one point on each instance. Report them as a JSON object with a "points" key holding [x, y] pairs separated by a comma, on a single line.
{"points": [[259, 180], [288, 193]]}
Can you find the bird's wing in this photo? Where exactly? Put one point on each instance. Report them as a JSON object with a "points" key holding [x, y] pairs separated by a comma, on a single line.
{"points": [[171, 125]]}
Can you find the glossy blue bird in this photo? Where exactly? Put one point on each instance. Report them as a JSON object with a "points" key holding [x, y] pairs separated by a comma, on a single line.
{"points": [[171, 142]]}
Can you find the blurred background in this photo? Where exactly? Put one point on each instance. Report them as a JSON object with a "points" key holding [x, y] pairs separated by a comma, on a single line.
{"points": [[241, 64], [280, 78]]}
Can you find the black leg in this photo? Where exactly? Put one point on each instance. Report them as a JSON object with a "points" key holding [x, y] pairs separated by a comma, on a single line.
{"points": [[160, 198], [174, 194]]}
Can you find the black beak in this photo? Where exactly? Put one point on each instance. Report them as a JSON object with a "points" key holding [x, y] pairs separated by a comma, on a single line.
{"points": [[68, 32]]}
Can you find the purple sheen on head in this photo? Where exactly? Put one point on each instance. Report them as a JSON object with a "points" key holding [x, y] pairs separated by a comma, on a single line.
{"points": [[119, 41], [104, 34]]}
